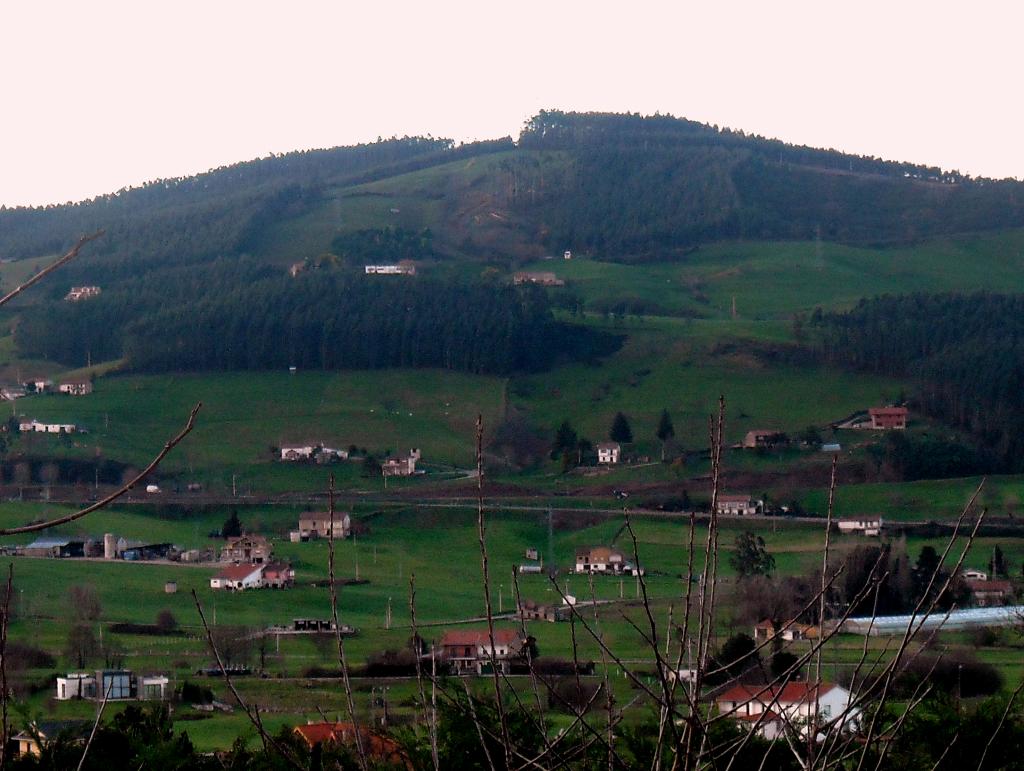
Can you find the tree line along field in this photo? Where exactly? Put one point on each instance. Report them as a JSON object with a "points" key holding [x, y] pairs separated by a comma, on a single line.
{"points": [[669, 366], [439, 547]]}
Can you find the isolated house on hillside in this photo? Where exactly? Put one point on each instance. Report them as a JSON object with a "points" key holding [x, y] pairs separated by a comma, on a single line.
{"points": [[608, 452], [738, 505], [542, 278], [295, 451], [469, 650], [761, 438], [403, 268], [76, 387], [401, 466], [770, 707], [887, 418], [77, 293], [314, 526], [249, 549], [604, 559], [869, 525]]}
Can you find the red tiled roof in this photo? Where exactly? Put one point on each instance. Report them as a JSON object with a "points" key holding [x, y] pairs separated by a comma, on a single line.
{"points": [[479, 637], [791, 693], [376, 746], [892, 411], [981, 585], [744, 498], [237, 572]]}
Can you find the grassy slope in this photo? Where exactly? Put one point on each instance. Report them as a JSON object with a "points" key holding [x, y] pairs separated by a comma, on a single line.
{"points": [[245, 414]]}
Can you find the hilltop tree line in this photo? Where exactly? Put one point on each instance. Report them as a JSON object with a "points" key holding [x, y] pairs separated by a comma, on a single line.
{"points": [[964, 352], [185, 218], [239, 315], [635, 188], [621, 187]]}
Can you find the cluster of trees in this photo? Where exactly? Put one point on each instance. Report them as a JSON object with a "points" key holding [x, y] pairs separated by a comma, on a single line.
{"points": [[897, 584], [652, 187], [365, 246], [965, 352], [219, 212], [942, 733], [572, 448], [237, 314]]}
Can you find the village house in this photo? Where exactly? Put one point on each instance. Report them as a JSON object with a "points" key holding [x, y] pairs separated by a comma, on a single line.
{"points": [[248, 549], [977, 575], [761, 438], [868, 524], [298, 451], [296, 268], [403, 268], [38, 736], [530, 610], [886, 418], [986, 594], [379, 750], [469, 650], [401, 467], [739, 505], [314, 526], [10, 393], [77, 293], [76, 387], [797, 703], [238, 577], [608, 452], [35, 427], [112, 684], [542, 278], [604, 559], [39, 385], [312, 625], [790, 632], [278, 575]]}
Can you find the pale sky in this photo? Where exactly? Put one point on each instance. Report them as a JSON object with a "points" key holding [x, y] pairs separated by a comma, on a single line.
{"points": [[99, 95]]}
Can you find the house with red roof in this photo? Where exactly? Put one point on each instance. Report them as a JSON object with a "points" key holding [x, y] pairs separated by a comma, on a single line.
{"points": [[378, 748], [238, 577], [888, 418], [987, 593], [768, 708], [278, 575], [469, 650]]}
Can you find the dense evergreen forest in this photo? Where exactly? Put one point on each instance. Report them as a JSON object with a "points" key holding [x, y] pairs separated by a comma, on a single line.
{"points": [[620, 187], [238, 314], [966, 353], [641, 188]]}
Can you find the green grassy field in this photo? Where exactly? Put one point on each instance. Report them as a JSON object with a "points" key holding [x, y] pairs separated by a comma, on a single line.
{"points": [[776, 279], [244, 415]]}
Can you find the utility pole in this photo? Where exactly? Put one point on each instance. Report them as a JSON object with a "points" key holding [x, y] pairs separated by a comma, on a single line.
{"points": [[234, 489]]}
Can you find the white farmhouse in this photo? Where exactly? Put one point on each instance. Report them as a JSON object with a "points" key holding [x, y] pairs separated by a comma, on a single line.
{"points": [[238, 577], [608, 452]]}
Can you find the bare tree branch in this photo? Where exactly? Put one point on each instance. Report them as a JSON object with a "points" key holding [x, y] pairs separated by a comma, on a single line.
{"points": [[51, 267], [170, 445]]}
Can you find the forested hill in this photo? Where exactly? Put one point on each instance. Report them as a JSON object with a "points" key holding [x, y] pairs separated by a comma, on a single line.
{"points": [[616, 187]]}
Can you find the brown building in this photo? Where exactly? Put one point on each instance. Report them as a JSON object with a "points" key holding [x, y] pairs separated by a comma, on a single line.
{"points": [[542, 278], [886, 418], [469, 650], [248, 549]]}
